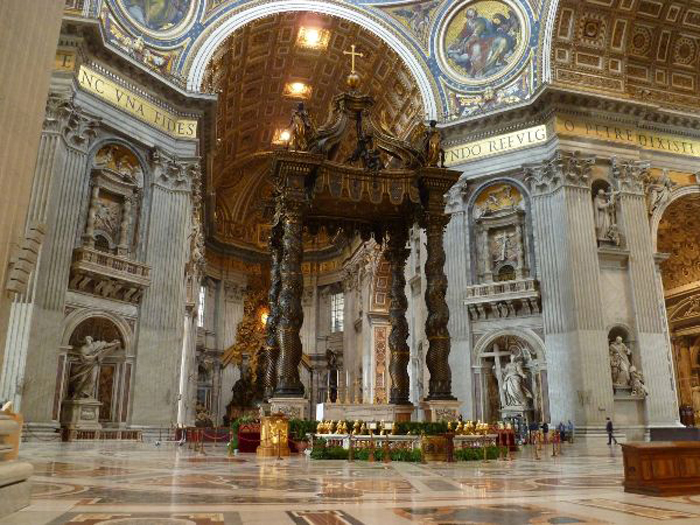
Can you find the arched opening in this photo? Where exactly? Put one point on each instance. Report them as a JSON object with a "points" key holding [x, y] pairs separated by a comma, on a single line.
{"points": [[679, 242], [98, 367], [207, 47], [262, 71], [511, 379]]}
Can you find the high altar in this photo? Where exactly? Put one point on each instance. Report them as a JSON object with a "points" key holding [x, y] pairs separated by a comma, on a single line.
{"points": [[379, 191]]}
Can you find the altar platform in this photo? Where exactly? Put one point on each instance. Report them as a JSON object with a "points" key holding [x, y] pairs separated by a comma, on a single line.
{"points": [[405, 441], [364, 412]]}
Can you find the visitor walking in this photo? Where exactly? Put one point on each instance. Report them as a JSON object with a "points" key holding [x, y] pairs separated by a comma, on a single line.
{"points": [[570, 431], [609, 429], [545, 431]]}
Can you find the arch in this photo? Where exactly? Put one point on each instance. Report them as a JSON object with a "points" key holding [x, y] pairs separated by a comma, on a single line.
{"points": [[621, 329], [76, 318], [676, 194], [118, 141], [499, 180], [207, 44], [527, 335], [549, 23]]}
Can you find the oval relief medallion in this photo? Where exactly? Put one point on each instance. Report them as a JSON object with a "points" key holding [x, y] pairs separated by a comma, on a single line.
{"points": [[482, 40]]}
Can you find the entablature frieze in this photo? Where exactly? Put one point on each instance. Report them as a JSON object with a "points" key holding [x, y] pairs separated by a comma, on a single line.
{"points": [[569, 120]]}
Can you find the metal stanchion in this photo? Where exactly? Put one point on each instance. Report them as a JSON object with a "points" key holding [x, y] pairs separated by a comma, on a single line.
{"points": [[351, 451], [537, 447], [386, 456], [279, 446], [371, 449]]}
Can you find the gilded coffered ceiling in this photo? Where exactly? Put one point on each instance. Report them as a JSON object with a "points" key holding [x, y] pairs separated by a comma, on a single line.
{"points": [[640, 49], [253, 72], [679, 236]]}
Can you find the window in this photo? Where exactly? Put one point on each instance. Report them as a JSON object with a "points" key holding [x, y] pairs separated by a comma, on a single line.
{"points": [[200, 310], [337, 305]]}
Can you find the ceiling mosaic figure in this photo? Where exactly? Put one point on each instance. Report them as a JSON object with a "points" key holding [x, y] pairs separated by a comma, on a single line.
{"points": [[482, 40]]}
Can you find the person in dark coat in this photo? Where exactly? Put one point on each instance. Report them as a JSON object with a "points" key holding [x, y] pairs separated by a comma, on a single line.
{"points": [[609, 429]]}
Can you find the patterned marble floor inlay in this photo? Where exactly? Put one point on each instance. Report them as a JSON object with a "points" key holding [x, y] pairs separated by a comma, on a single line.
{"points": [[643, 511], [111, 483], [491, 514]]}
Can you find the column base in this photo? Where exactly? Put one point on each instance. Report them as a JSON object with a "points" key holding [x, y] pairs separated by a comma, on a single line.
{"points": [[292, 407], [435, 410]]}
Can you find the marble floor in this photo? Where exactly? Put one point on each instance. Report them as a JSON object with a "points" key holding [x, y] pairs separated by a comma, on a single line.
{"points": [[140, 484]]}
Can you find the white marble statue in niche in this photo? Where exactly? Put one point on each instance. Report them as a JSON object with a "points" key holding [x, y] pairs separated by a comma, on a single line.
{"points": [[620, 364], [514, 384], [605, 214], [637, 383], [625, 375], [85, 369]]}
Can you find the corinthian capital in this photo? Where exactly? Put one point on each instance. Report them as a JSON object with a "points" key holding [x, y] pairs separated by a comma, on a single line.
{"points": [[564, 169], [630, 176], [65, 117], [176, 174]]}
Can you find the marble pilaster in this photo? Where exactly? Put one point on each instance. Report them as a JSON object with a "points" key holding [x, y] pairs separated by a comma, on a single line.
{"points": [[60, 187], [163, 306], [566, 248], [649, 311], [457, 266]]}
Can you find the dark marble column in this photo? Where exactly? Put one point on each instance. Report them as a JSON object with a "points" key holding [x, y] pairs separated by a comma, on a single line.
{"points": [[272, 347], [398, 347], [291, 312], [437, 357]]}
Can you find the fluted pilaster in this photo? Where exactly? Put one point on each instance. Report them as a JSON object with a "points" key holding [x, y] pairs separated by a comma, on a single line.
{"points": [[569, 274], [57, 198], [161, 325], [654, 346], [457, 267]]}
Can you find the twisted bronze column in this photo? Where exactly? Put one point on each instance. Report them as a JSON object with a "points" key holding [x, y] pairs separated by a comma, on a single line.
{"points": [[398, 347], [290, 309], [272, 347], [437, 357]]}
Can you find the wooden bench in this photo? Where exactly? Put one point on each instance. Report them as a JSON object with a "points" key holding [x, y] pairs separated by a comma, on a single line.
{"points": [[662, 468]]}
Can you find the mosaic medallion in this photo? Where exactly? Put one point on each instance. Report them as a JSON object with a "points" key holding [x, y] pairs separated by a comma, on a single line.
{"points": [[159, 17], [482, 40]]}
